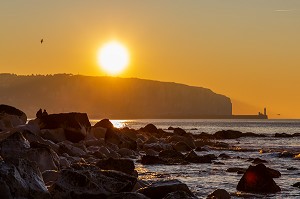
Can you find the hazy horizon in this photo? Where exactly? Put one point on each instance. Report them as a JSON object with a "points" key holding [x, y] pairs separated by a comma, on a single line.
{"points": [[246, 50]]}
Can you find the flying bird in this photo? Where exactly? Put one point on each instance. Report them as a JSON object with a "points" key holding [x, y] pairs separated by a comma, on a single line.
{"points": [[42, 40]]}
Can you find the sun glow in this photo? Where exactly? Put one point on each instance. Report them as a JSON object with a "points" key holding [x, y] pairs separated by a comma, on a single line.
{"points": [[113, 58]]}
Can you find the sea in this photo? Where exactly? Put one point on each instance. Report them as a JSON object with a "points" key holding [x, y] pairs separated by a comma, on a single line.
{"points": [[203, 179]]}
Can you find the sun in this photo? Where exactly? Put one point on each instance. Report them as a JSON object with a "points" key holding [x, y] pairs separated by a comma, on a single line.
{"points": [[113, 57]]}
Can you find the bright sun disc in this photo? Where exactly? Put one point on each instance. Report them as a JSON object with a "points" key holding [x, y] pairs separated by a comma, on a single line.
{"points": [[113, 57]]}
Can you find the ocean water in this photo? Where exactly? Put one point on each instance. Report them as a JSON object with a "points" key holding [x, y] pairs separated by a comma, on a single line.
{"points": [[205, 178]]}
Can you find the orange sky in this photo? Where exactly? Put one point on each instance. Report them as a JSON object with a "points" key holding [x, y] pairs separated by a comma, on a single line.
{"points": [[247, 50]]}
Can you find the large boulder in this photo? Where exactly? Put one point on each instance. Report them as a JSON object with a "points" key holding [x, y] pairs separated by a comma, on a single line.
{"points": [[257, 179], [20, 178], [112, 136], [90, 182], [150, 128], [13, 111], [160, 189], [14, 145], [117, 164], [105, 123], [75, 125]]}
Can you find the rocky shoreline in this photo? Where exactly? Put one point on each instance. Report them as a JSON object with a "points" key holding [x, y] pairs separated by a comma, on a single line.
{"points": [[63, 156]]}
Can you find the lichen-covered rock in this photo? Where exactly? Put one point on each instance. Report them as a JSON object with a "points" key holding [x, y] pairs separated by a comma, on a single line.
{"points": [[257, 179], [160, 189]]}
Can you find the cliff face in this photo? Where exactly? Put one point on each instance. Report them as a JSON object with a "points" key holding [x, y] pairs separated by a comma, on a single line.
{"points": [[110, 97]]}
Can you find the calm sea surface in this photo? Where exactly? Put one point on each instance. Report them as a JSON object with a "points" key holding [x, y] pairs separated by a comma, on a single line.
{"points": [[205, 178]]}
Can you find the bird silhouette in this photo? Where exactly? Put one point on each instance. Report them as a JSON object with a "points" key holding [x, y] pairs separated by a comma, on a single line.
{"points": [[42, 40]]}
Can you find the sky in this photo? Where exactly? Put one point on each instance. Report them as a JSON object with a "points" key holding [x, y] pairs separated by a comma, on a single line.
{"points": [[246, 50]]}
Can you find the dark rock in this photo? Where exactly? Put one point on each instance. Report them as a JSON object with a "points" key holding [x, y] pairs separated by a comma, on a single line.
{"points": [[286, 154], [283, 135], [219, 194], [120, 140], [200, 149], [257, 179], [218, 163], [181, 146], [150, 128], [236, 170], [13, 111], [160, 189], [86, 182], [228, 134], [105, 123], [20, 178], [151, 160], [75, 125], [120, 164], [273, 173], [127, 195], [179, 131], [250, 134], [179, 195], [297, 184], [50, 176], [170, 154], [171, 128], [14, 145], [291, 169], [194, 158], [258, 161], [224, 156]]}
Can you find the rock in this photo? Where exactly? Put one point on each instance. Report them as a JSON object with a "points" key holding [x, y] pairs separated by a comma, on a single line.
{"points": [[219, 194], [228, 134], [181, 146], [105, 123], [127, 195], [283, 135], [194, 158], [7, 122], [86, 181], [172, 157], [120, 140], [75, 125], [224, 156], [126, 152], [151, 152], [286, 154], [297, 184], [120, 164], [14, 145], [98, 132], [67, 147], [258, 161], [160, 189], [179, 131], [55, 135], [291, 169], [151, 160], [150, 128], [236, 170], [13, 111], [179, 195], [200, 149], [20, 178], [257, 179], [50, 176]]}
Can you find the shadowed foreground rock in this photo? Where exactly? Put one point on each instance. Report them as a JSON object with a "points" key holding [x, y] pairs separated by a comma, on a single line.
{"points": [[258, 179], [90, 183], [160, 189], [117, 164], [20, 178], [219, 194]]}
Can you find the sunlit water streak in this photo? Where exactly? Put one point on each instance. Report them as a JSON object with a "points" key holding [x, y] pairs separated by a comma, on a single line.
{"points": [[205, 178]]}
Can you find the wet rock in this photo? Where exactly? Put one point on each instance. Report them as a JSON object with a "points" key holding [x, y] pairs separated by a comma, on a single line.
{"points": [[224, 156], [172, 157], [160, 189], [126, 152], [120, 164], [297, 184], [151, 152], [181, 146], [219, 194], [218, 163], [236, 170], [75, 125], [282, 135], [20, 178], [291, 169], [50, 176], [179, 195], [286, 154], [257, 160], [105, 123], [86, 182], [151, 160], [194, 158], [127, 195], [228, 134], [200, 149], [150, 128], [13, 111], [179, 131], [257, 179]]}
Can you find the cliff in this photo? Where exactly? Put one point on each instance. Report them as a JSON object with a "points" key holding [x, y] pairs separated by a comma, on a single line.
{"points": [[110, 97]]}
